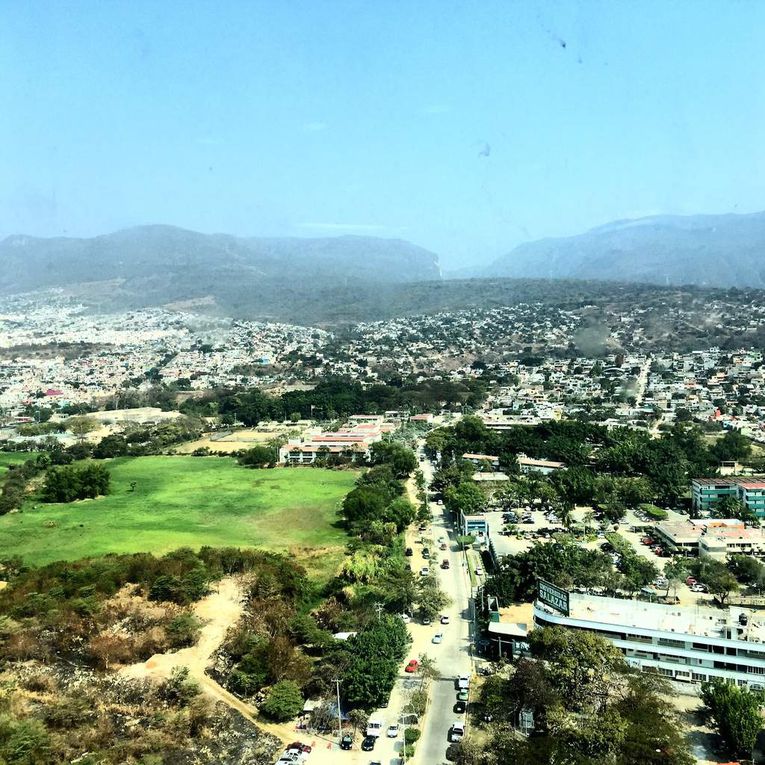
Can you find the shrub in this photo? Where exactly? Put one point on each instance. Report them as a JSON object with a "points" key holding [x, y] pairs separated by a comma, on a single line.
{"points": [[183, 630]]}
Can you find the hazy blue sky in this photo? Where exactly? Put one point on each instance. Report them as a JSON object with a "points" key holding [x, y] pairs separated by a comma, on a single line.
{"points": [[464, 127]]}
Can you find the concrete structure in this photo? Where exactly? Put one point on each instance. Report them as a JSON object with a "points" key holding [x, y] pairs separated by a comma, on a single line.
{"points": [[545, 467], [708, 491], [481, 460], [353, 442], [713, 537], [681, 643]]}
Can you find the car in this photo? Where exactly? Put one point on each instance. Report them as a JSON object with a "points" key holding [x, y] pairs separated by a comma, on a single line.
{"points": [[444, 618], [425, 571], [405, 618], [346, 742], [425, 553], [368, 744], [413, 666], [298, 747], [690, 580], [408, 552], [478, 571], [699, 587], [438, 637], [445, 563], [463, 682], [392, 731], [462, 695], [374, 728], [426, 620], [442, 546], [460, 707], [457, 731]]}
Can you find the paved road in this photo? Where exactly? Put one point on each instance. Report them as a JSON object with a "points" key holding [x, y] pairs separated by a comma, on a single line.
{"points": [[452, 657]]}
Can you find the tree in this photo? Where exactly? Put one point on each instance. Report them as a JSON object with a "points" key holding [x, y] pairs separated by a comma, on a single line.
{"points": [[431, 599], [675, 572], [284, 701], [737, 713], [71, 482], [732, 446], [717, 577], [466, 498], [259, 457], [81, 426], [747, 570], [732, 507], [581, 665], [401, 458]]}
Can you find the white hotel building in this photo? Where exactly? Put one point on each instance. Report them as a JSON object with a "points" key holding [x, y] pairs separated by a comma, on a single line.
{"points": [[692, 644]]}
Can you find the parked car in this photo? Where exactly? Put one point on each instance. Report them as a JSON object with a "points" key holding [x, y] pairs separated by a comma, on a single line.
{"points": [[374, 728], [444, 618], [463, 682], [457, 731], [297, 747], [346, 742], [445, 563], [424, 571], [442, 546], [690, 580], [478, 571], [368, 744], [413, 666], [425, 553], [699, 587], [408, 552], [463, 695], [460, 707], [392, 731], [438, 637], [426, 620]]}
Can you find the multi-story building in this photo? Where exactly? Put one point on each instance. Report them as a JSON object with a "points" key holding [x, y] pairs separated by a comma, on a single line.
{"points": [[712, 537], [706, 492], [680, 643]]}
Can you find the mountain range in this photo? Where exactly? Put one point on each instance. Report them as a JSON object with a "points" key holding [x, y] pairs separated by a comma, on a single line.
{"points": [[702, 250], [159, 264], [351, 278]]}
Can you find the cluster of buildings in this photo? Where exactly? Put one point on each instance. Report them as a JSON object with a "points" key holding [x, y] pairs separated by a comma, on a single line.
{"points": [[706, 493], [54, 350], [352, 441], [715, 538]]}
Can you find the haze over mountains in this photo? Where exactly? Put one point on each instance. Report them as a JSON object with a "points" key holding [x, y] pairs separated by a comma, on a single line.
{"points": [[352, 278], [180, 264], [703, 250]]}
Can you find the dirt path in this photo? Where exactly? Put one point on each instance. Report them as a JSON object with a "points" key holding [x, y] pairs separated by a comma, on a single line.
{"points": [[219, 611]]}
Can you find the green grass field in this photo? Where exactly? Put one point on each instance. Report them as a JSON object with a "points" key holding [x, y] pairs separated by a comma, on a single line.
{"points": [[14, 458], [189, 501]]}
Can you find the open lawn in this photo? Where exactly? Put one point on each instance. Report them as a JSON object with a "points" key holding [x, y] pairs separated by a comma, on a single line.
{"points": [[190, 501], [14, 458]]}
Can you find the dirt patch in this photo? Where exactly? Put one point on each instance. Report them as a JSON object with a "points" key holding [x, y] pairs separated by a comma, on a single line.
{"points": [[219, 611]]}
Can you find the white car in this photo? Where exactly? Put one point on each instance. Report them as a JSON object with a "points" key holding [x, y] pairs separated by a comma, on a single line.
{"points": [[478, 571], [457, 731], [392, 731], [445, 619], [424, 571], [438, 637]]}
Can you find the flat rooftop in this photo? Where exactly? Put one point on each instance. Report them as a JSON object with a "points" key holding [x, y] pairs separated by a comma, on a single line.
{"points": [[702, 621]]}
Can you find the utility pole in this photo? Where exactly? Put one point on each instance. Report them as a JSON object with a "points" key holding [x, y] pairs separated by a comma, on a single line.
{"points": [[339, 712]]}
